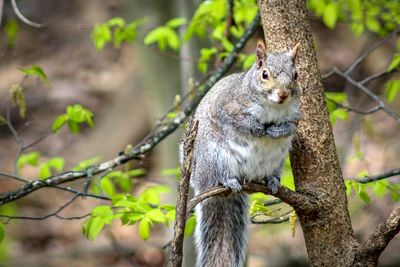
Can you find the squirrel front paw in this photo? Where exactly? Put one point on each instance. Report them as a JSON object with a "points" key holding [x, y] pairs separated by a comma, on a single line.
{"points": [[280, 130], [273, 184], [233, 184]]}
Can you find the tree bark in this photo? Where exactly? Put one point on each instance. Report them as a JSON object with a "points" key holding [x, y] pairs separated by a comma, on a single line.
{"points": [[328, 233]]}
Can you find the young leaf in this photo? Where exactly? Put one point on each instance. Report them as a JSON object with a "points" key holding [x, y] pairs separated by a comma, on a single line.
{"points": [[92, 227], [107, 186], [144, 228], [156, 215], [86, 163], [392, 88], [364, 196], [36, 70], [58, 123], [31, 158], [176, 22], [395, 62], [18, 98], [330, 15], [44, 171], [190, 225], [11, 29]]}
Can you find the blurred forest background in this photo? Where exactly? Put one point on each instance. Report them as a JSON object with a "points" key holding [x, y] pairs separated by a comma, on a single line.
{"points": [[128, 89]]}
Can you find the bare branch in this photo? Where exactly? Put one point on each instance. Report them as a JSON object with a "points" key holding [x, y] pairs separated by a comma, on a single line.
{"points": [[355, 110], [183, 191], [380, 238], [150, 141], [370, 50], [376, 76], [373, 178], [22, 17], [301, 202]]}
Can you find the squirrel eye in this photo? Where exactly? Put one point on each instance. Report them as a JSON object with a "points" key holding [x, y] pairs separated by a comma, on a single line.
{"points": [[265, 75], [295, 75]]}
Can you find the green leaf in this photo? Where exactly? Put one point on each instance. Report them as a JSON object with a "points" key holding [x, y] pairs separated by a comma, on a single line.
{"points": [[380, 188], [11, 29], [144, 228], [136, 172], [341, 113], [176, 22], [107, 186], [395, 63], [117, 21], [2, 232], [31, 158], [330, 15], [364, 196], [190, 225], [92, 227], [157, 216], [167, 207], [36, 70], [103, 211], [44, 171], [73, 127], [171, 215], [56, 163], [58, 123], [392, 88], [348, 187], [86, 163], [248, 61], [101, 35]]}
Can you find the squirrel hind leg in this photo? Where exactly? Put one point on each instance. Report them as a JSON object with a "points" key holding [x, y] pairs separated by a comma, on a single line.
{"points": [[233, 184]]}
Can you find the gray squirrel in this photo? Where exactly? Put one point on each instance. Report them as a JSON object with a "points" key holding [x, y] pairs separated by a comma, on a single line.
{"points": [[246, 124]]}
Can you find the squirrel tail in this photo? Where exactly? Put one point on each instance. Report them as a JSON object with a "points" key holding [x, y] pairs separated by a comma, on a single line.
{"points": [[221, 231]]}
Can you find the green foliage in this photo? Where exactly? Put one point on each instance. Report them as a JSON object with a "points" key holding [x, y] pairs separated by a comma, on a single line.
{"points": [[36, 70], [377, 16], [86, 163], [205, 56], [395, 63], [11, 29], [190, 225], [166, 36], [2, 120], [392, 88], [336, 112], [115, 30], [31, 158], [287, 176], [74, 116], [99, 217], [45, 168]]}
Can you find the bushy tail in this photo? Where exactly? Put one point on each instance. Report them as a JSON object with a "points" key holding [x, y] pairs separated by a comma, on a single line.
{"points": [[221, 231]]}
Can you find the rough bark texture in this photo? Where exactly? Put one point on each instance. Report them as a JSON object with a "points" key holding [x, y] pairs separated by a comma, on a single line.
{"points": [[328, 234]]}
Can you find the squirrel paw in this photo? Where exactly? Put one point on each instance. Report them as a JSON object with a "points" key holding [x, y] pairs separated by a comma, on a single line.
{"points": [[273, 184], [280, 130], [233, 185]]}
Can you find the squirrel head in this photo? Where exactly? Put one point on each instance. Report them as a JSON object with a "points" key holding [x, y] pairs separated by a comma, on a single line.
{"points": [[275, 74]]}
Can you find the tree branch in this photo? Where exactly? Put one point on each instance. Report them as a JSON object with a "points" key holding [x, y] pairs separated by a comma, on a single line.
{"points": [[183, 192], [301, 202], [150, 141], [380, 238], [373, 178]]}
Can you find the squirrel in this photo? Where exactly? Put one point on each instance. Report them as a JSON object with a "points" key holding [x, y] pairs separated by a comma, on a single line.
{"points": [[246, 123]]}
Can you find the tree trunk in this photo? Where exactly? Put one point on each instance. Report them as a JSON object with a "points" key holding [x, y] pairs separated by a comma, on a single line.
{"points": [[328, 234]]}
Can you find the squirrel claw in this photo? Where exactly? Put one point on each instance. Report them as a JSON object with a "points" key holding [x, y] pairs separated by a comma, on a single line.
{"points": [[273, 184], [233, 185]]}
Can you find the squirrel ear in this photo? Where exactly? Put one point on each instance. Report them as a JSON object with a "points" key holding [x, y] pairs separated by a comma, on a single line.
{"points": [[260, 53], [294, 50]]}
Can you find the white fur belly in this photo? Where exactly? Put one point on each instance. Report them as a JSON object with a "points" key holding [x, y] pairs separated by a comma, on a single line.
{"points": [[260, 157]]}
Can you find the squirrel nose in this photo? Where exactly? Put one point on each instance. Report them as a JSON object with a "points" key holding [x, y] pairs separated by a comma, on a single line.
{"points": [[283, 95]]}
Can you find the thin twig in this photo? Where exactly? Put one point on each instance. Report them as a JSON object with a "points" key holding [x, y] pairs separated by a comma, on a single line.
{"points": [[381, 176], [22, 17], [371, 49], [355, 110], [183, 192], [276, 220]]}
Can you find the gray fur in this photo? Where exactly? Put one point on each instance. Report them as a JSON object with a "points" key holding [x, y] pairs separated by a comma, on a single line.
{"points": [[243, 136]]}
